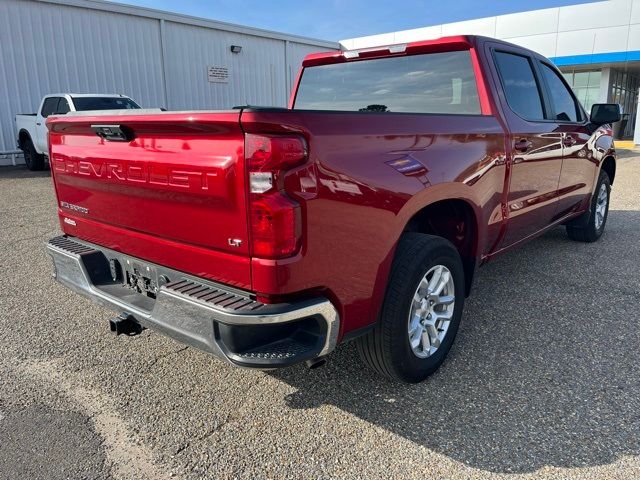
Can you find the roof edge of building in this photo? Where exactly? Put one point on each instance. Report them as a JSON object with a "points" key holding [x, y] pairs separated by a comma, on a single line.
{"points": [[152, 13]]}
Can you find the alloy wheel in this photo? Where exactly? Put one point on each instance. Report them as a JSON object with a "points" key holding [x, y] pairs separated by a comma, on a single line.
{"points": [[601, 206], [431, 311]]}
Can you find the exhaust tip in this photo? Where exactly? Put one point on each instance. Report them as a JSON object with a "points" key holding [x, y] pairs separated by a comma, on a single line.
{"points": [[316, 363]]}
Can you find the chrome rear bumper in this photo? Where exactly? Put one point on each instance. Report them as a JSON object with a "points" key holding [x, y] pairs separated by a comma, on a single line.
{"points": [[228, 323]]}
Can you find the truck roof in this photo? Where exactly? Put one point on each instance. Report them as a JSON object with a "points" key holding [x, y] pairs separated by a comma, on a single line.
{"points": [[94, 95]]}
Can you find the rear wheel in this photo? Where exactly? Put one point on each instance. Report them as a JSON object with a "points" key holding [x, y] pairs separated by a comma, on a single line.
{"points": [[593, 228], [421, 311], [32, 159]]}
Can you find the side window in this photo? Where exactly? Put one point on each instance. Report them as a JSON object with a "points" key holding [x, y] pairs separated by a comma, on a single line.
{"points": [[564, 105], [520, 85], [50, 105], [63, 106]]}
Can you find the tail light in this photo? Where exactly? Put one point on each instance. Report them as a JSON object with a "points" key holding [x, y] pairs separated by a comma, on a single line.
{"points": [[274, 218]]}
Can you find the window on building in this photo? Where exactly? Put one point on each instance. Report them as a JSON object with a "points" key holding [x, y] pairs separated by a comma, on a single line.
{"points": [[622, 88], [586, 86], [520, 85], [564, 106], [440, 83]]}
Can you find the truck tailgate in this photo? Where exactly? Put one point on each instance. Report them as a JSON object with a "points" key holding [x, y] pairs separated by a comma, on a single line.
{"points": [[171, 191]]}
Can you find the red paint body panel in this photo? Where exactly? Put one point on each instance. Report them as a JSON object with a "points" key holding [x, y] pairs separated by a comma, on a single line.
{"points": [[350, 193], [178, 192], [174, 195]]}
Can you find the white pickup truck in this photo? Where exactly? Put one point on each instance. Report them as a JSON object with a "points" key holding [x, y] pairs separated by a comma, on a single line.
{"points": [[31, 128]]}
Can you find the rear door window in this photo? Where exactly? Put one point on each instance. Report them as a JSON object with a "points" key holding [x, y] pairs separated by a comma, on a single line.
{"points": [[520, 85], [49, 106], [63, 106], [439, 83], [565, 107]]}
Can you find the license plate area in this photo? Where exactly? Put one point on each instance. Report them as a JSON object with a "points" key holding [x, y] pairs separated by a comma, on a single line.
{"points": [[140, 277]]}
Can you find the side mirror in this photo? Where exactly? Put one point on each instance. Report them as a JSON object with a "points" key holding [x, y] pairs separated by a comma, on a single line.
{"points": [[602, 113]]}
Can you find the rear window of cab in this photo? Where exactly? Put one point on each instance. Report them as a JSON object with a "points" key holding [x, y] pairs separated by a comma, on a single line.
{"points": [[436, 83]]}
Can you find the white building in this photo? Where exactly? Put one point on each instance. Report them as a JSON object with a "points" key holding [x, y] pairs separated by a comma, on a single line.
{"points": [[160, 59], [596, 45]]}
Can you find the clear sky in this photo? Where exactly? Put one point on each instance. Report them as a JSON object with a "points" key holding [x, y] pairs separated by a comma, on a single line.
{"points": [[340, 19]]}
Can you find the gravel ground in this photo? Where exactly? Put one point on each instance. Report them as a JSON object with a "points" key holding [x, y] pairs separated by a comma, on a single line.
{"points": [[543, 380]]}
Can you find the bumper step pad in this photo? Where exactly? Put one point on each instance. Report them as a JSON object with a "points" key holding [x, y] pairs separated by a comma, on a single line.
{"points": [[282, 350], [70, 246], [214, 296]]}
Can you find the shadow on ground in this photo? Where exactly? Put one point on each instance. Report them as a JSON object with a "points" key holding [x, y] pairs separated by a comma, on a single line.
{"points": [[544, 370], [26, 450], [21, 171]]}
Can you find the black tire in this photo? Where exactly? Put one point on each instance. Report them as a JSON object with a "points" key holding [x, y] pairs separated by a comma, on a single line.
{"points": [[33, 159], [588, 230], [386, 349]]}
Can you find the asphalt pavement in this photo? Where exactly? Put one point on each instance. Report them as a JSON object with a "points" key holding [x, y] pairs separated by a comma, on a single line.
{"points": [[543, 380]]}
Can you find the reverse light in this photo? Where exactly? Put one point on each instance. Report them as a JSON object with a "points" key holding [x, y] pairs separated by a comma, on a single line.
{"points": [[260, 182], [274, 218]]}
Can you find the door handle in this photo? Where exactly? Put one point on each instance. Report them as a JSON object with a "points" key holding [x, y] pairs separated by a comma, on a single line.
{"points": [[523, 145], [569, 141], [38, 123]]}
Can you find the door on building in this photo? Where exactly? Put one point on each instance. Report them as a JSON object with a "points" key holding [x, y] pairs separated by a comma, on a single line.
{"points": [[624, 90]]}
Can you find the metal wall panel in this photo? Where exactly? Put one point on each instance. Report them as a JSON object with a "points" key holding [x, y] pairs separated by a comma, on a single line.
{"points": [[157, 58], [537, 22], [611, 13], [599, 40], [545, 44], [295, 54], [47, 48], [256, 74], [480, 26]]}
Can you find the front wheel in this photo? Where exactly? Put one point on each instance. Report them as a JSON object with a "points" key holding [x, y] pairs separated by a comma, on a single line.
{"points": [[421, 310], [593, 229]]}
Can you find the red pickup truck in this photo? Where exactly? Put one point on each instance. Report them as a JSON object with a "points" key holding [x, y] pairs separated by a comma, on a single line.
{"points": [[266, 236]]}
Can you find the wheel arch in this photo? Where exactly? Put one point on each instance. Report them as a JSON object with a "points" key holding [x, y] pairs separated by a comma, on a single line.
{"points": [[23, 135], [406, 220], [609, 166], [456, 220]]}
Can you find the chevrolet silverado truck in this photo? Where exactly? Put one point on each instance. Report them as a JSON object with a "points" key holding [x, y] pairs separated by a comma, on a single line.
{"points": [[267, 236], [32, 129]]}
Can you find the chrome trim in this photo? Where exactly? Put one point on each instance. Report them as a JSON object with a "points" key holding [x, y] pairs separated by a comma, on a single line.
{"points": [[180, 316]]}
